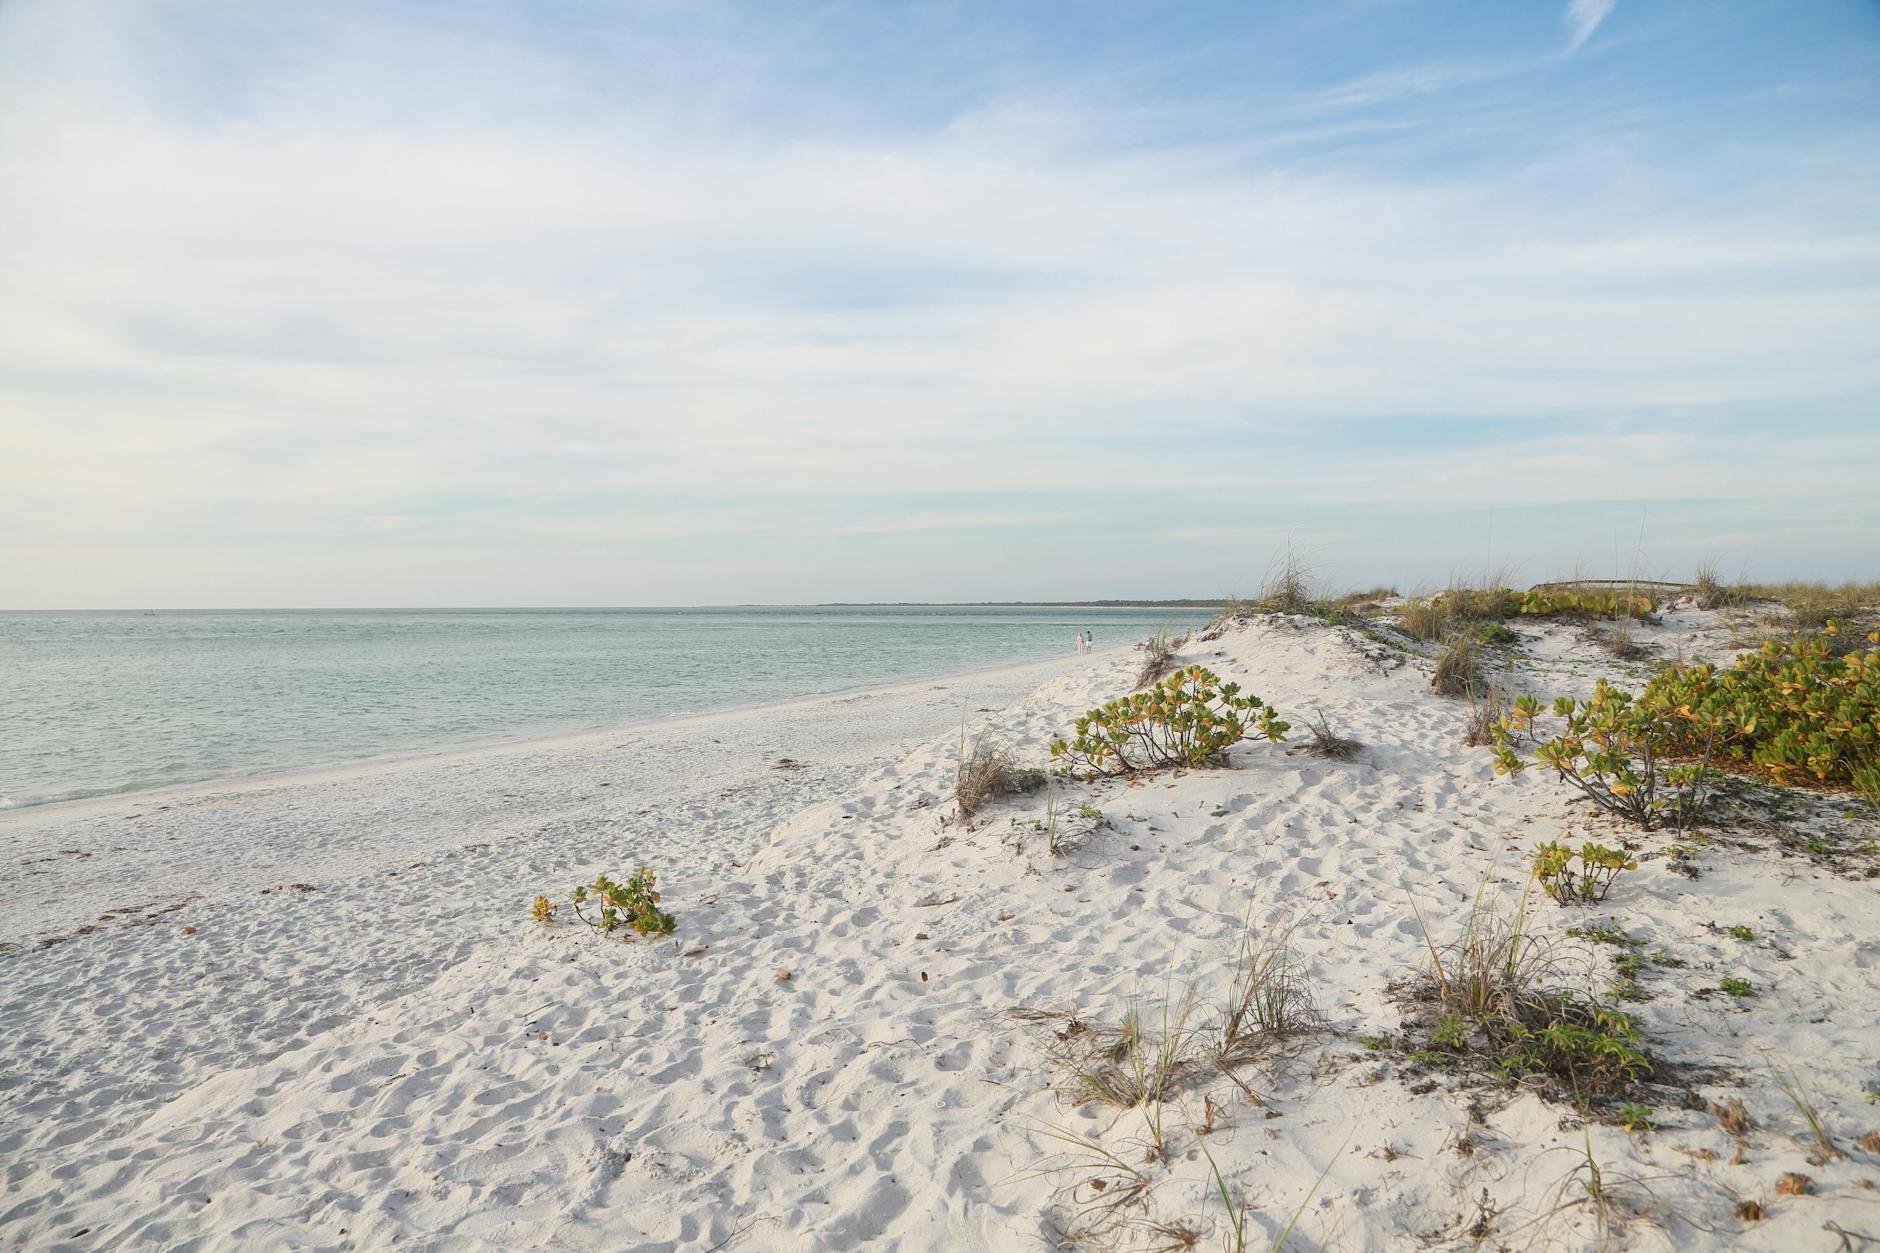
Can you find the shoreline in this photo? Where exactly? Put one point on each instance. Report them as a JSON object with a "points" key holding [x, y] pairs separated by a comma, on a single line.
{"points": [[391, 762]]}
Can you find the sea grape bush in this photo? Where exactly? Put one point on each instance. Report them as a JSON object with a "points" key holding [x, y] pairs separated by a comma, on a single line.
{"points": [[633, 903], [1190, 718], [1583, 883], [1506, 603], [1612, 748], [1792, 709]]}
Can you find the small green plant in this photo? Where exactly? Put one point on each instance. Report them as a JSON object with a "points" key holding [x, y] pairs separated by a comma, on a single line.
{"points": [[1450, 1032], [544, 910], [1604, 933], [1191, 718], [1089, 812], [1375, 1043], [1630, 991], [1587, 882], [1585, 1044], [1741, 932], [1629, 964], [1736, 987], [633, 904], [1496, 634], [1635, 1117]]}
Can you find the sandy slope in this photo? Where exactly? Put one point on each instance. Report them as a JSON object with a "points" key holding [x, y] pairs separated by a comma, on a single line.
{"points": [[399, 1056]]}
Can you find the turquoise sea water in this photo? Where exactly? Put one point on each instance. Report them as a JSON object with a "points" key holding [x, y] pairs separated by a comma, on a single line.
{"points": [[102, 702]]}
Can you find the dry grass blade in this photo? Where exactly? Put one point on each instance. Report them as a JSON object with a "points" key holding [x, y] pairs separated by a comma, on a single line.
{"points": [[1108, 1185], [1804, 1102], [1323, 741]]}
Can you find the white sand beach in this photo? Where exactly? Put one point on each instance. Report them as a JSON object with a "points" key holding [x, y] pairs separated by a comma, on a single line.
{"points": [[313, 1012]]}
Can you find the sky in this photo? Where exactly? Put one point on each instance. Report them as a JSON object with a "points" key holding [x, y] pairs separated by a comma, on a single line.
{"points": [[688, 302]]}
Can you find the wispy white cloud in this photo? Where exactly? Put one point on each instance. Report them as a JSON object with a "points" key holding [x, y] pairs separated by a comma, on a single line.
{"points": [[1583, 18]]}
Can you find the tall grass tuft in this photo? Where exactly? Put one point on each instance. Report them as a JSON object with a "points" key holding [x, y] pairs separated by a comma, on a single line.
{"points": [[986, 771], [1459, 667], [1158, 656]]}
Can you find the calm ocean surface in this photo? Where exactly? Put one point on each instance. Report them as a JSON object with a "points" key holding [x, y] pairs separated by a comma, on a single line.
{"points": [[92, 703]]}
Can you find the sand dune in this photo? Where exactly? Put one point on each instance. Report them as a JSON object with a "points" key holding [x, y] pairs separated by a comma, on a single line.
{"points": [[847, 1042]]}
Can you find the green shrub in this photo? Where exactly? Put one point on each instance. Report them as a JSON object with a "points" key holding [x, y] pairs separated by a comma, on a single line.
{"points": [[631, 904], [1792, 710], [1586, 883], [1190, 718], [1736, 987], [1612, 748]]}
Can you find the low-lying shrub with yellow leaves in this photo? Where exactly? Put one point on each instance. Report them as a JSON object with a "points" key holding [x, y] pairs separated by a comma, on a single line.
{"points": [[1793, 710], [1611, 747], [1190, 718]]}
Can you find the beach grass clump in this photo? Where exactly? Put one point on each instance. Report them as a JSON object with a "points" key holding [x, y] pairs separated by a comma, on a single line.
{"points": [[987, 770], [1291, 586], [1158, 655], [1621, 641], [1191, 718], [1459, 667], [1448, 613], [1812, 605], [1322, 740], [1496, 996], [1268, 998], [631, 903], [1134, 1064], [1486, 710], [1710, 591]]}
